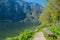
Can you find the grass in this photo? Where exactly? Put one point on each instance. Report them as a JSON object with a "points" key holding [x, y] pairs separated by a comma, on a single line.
{"points": [[29, 34], [55, 29], [26, 35]]}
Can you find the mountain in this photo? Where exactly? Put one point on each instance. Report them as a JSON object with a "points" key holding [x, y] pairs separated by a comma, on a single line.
{"points": [[17, 15], [19, 11]]}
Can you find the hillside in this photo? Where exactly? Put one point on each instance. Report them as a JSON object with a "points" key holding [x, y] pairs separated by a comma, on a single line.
{"points": [[16, 16], [50, 24], [19, 10]]}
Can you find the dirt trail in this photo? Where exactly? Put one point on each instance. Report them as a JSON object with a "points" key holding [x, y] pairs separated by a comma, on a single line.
{"points": [[39, 36]]}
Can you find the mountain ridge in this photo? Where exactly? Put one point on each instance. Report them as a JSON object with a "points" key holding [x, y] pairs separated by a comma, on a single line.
{"points": [[19, 10]]}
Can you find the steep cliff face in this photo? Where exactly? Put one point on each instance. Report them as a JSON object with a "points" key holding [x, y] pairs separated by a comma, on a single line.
{"points": [[19, 11]]}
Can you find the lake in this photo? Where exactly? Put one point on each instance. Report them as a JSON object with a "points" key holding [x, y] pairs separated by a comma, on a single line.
{"points": [[11, 29]]}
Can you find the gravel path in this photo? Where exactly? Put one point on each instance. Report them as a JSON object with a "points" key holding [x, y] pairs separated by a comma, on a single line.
{"points": [[39, 36]]}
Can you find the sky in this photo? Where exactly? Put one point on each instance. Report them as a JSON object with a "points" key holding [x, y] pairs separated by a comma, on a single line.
{"points": [[41, 2]]}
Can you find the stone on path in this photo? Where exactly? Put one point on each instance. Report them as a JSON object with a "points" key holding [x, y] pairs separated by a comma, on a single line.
{"points": [[39, 36], [58, 38], [48, 32]]}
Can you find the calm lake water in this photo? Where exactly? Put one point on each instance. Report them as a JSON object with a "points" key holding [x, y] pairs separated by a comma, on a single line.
{"points": [[8, 29]]}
